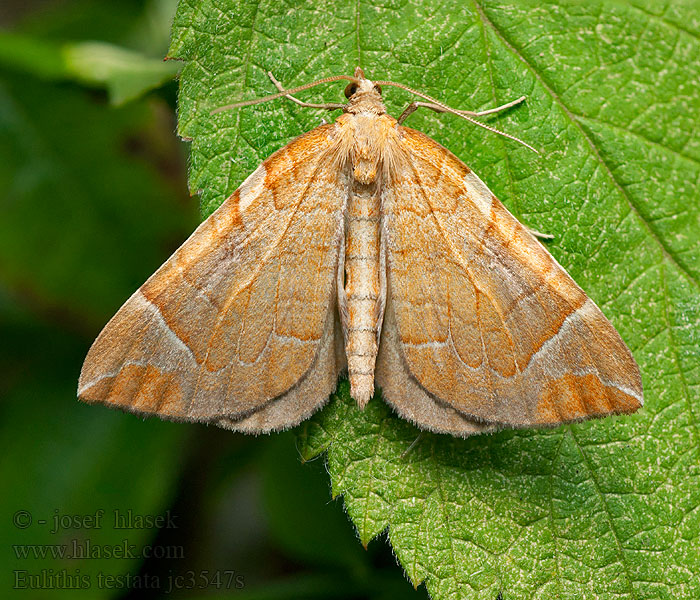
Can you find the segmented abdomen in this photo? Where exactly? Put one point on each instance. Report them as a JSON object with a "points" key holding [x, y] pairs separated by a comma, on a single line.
{"points": [[362, 288]]}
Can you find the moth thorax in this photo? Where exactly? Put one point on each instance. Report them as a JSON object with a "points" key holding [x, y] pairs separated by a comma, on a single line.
{"points": [[366, 153]]}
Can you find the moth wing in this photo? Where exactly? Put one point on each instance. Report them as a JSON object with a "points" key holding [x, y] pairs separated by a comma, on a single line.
{"points": [[238, 327], [412, 401], [487, 322]]}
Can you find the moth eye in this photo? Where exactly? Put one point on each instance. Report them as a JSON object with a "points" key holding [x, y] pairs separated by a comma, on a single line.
{"points": [[350, 89], [378, 88]]}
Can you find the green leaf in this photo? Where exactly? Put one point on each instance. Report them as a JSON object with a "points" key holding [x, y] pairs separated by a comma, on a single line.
{"points": [[608, 509], [125, 74]]}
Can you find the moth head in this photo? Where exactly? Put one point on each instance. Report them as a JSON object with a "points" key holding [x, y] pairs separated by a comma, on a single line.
{"points": [[361, 85]]}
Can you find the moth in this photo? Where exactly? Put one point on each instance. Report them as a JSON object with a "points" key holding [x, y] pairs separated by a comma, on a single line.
{"points": [[363, 245]]}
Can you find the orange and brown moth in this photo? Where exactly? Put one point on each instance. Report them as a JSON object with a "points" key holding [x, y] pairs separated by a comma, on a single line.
{"points": [[363, 245]]}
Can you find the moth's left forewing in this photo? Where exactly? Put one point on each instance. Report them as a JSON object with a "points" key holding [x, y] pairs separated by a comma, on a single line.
{"points": [[487, 321]]}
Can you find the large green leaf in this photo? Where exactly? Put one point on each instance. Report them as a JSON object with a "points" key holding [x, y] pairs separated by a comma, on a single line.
{"points": [[607, 509]]}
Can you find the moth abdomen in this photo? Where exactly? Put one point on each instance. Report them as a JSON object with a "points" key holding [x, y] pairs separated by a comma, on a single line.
{"points": [[362, 288]]}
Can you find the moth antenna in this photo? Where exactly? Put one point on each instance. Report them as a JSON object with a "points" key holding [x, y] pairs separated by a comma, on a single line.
{"points": [[449, 109], [294, 90]]}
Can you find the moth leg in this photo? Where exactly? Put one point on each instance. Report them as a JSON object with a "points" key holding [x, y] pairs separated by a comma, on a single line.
{"points": [[413, 444], [495, 110], [539, 234], [328, 106], [411, 108]]}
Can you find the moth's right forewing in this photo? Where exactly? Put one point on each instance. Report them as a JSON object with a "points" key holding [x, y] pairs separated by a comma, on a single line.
{"points": [[240, 314]]}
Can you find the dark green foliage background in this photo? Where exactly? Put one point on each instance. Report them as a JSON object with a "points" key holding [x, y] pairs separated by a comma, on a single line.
{"points": [[94, 198]]}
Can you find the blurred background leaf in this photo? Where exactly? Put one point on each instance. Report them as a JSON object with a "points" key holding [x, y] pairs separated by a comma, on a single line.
{"points": [[124, 73], [91, 202], [126, 56]]}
